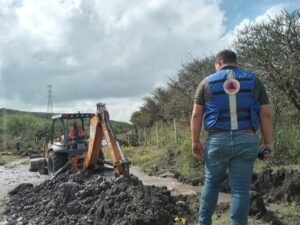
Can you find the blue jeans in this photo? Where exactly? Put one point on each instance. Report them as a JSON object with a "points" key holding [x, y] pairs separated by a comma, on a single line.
{"points": [[237, 153]]}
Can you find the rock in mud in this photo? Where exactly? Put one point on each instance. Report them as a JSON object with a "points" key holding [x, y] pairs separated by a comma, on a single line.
{"points": [[257, 206]]}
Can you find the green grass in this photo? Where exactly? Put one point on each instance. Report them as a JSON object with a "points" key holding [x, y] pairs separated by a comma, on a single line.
{"points": [[145, 157], [176, 158], [286, 152], [260, 166], [289, 214], [7, 159], [188, 165]]}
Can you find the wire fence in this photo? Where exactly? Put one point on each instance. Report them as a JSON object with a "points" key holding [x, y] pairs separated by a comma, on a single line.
{"points": [[160, 134]]}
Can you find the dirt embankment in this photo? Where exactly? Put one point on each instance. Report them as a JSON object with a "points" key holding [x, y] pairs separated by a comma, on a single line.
{"points": [[282, 185], [273, 186], [269, 187]]}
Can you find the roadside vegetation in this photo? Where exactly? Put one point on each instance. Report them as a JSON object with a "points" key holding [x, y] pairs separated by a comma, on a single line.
{"points": [[7, 159], [24, 127], [271, 50]]}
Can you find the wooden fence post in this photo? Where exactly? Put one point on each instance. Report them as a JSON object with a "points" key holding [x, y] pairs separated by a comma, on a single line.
{"points": [[175, 131], [145, 136], [150, 140], [139, 136], [157, 143]]}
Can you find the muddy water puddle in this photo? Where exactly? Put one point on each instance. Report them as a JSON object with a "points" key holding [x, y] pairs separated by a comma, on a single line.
{"points": [[16, 173], [173, 185], [11, 176]]}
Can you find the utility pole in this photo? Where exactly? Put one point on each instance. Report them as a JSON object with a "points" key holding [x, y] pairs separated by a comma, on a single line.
{"points": [[50, 107]]}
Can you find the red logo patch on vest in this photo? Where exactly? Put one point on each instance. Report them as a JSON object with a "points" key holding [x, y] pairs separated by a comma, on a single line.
{"points": [[231, 86]]}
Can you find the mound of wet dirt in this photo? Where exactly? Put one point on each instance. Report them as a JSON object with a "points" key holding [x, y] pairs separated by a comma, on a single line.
{"points": [[274, 187], [91, 199], [282, 185]]}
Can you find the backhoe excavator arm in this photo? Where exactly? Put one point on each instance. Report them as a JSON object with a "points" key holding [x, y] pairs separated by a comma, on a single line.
{"points": [[100, 127]]}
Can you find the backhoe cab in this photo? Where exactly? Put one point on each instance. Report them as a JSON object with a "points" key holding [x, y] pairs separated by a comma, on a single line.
{"points": [[81, 149]]}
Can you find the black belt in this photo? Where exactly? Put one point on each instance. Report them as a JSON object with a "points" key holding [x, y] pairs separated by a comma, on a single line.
{"points": [[232, 132]]}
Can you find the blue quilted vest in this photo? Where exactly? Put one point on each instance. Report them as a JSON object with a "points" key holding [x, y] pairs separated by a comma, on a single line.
{"points": [[232, 106]]}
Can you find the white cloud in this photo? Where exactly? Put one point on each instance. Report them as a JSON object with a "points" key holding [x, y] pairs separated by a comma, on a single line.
{"points": [[112, 51], [116, 50], [70, 61], [264, 18], [270, 13]]}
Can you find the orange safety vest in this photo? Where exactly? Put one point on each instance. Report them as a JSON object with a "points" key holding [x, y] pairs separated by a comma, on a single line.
{"points": [[73, 135]]}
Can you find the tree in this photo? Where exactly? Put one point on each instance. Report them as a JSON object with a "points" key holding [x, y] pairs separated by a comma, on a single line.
{"points": [[21, 125], [272, 50], [27, 126], [141, 119], [176, 100], [182, 89]]}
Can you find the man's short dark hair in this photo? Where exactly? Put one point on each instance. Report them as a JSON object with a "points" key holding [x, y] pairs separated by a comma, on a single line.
{"points": [[226, 56]]}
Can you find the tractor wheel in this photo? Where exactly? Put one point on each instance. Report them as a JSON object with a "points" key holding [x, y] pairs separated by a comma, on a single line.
{"points": [[43, 167], [55, 162]]}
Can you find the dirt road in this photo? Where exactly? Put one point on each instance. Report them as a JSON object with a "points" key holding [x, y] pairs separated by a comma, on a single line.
{"points": [[12, 175]]}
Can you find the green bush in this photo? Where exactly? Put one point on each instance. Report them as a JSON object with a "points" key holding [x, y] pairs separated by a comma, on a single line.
{"points": [[286, 143], [27, 127]]}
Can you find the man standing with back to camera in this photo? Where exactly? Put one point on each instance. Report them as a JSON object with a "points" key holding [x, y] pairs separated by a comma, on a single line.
{"points": [[234, 103]]}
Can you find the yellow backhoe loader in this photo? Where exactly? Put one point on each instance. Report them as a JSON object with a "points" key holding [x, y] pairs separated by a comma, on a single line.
{"points": [[85, 152]]}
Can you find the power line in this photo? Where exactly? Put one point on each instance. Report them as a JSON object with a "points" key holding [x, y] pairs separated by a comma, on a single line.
{"points": [[50, 107]]}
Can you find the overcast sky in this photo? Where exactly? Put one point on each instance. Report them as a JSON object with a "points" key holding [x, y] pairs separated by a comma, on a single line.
{"points": [[115, 51]]}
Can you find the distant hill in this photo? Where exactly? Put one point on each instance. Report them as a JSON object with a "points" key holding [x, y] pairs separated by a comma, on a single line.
{"points": [[9, 112], [120, 127]]}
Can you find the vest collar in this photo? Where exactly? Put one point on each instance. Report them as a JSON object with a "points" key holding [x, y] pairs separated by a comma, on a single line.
{"points": [[228, 67]]}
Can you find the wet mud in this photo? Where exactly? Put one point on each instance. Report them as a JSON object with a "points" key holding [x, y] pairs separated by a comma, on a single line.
{"points": [[268, 190], [16, 173], [276, 187], [98, 198], [90, 198], [11, 176], [273, 186]]}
